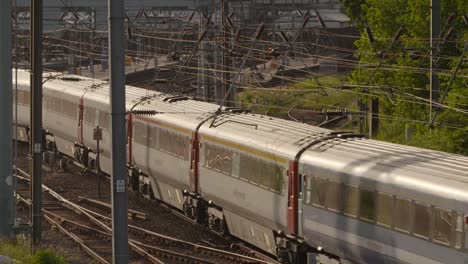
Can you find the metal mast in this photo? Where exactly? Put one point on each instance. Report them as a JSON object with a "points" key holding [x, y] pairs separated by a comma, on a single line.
{"points": [[435, 32], [118, 137], [36, 118], [227, 95], [6, 117]]}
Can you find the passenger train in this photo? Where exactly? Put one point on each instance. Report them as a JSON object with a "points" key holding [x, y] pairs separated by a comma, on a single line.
{"points": [[291, 189]]}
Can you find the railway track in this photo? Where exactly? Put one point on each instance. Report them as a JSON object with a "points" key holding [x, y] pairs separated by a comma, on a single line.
{"points": [[104, 208], [238, 247], [87, 225]]}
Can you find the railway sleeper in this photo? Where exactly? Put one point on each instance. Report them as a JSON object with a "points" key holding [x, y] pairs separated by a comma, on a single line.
{"points": [[206, 213]]}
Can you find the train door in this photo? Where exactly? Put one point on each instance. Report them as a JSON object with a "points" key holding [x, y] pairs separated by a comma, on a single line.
{"points": [[80, 121], [293, 197], [300, 217], [130, 139]]}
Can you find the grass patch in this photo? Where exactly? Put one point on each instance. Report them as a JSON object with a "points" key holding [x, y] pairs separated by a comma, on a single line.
{"points": [[314, 94], [20, 251]]}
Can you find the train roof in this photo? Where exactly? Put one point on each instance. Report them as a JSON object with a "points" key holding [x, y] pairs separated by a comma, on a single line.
{"points": [[420, 174], [408, 169], [426, 175]]}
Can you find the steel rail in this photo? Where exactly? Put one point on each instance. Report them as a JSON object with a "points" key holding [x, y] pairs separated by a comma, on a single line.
{"points": [[87, 249], [221, 253], [92, 217], [131, 213], [62, 229], [79, 210]]}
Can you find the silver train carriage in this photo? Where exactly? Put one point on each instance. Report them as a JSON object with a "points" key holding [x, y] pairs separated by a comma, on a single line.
{"points": [[296, 191]]}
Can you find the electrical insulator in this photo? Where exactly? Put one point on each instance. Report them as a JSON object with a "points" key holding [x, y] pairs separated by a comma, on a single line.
{"points": [[144, 112], [259, 31], [450, 19], [465, 19], [398, 34], [370, 35]]}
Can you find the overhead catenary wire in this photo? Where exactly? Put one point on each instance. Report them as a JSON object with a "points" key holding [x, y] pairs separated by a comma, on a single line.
{"points": [[96, 54], [385, 67], [401, 93], [299, 81]]}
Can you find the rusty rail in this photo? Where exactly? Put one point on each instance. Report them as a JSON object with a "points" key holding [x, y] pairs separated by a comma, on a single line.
{"points": [[103, 222], [131, 213]]}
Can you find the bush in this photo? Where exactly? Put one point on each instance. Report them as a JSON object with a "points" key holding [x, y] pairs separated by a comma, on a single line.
{"points": [[20, 251], [47, 256]]}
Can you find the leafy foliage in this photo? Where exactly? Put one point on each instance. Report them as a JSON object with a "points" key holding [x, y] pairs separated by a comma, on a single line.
{"points": [[308, 94], [20, 251], [404, 78]]}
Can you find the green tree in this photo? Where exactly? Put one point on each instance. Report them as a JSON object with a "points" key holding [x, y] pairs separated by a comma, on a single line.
{"points": [[403, 80]]}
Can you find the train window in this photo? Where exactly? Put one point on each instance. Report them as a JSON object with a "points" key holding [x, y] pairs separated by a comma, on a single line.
{"points": [[69, 109], [218, 158], [104, 120], [459, 232], [49, 103], [319, 191], [143, 134], [24, 98], [384, 209], [351, 200], [333, 196], [266, 174], [174, 143], [248, 168], [236, 168], [45, 101], [367, 205], [54, 104], [89, 115], [139, 132], [276, 173], [154, 136], [422, 216], [183, 147], [443, 221], [402, 214]]}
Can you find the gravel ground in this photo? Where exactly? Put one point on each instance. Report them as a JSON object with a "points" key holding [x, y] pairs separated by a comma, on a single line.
{"points": [[73, 184]]}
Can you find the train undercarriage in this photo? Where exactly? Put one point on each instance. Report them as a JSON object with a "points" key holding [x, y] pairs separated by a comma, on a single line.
{"points": [[289, 250]]}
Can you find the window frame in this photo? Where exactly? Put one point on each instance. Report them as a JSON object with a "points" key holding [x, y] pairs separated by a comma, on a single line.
{"points": [[89, 111], [392, 216], [460, 216], [410, 216], [414, 220], [325, 180], [358, 197], [179, 138], [272, 178], [360, 217], [451, 242], [340, 196], [456, 230]]}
